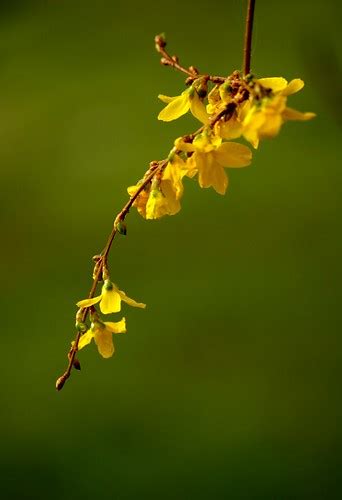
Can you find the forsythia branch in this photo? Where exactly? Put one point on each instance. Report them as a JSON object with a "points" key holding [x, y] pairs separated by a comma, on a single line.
{"points": [[239, 106]]}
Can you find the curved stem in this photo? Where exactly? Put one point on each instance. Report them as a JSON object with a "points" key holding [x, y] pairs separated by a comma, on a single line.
{"points": [[154, 168], [248, 37]]}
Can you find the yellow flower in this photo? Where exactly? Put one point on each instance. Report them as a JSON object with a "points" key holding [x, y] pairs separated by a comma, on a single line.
{"points": [[165, 194], [110, 299], [102, 333], [181, 104], [263, 118], [162, 197], [141, 200], [210, 156]]}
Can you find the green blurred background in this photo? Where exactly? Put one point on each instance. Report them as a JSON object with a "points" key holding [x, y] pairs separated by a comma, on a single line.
{"points": [[228, 384]]}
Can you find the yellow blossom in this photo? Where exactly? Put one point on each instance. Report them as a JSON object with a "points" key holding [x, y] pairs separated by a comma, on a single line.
{"points": [[263, 118], [110, 299], [210, 156], [181, 104], [162, 196], [102, 333], [165, 194]]}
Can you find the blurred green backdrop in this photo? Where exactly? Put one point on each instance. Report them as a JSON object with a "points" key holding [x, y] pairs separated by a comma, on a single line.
{"points": [[228, 384]]}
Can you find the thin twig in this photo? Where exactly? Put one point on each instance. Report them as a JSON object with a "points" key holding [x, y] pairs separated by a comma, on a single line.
{"points": [[172, 61], [248, 37]]}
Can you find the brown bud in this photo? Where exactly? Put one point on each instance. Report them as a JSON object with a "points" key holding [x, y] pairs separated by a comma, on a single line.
{"points": [[193, 70], [76, 364], [96, 271], [60, 382], [189, 80], [187, 138], [164, 61], [175, 59], [160, 41]]}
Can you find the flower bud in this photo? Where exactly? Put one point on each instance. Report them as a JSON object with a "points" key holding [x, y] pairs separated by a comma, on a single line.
{"points": [[121, 227], [108, 285], [81, 327]]}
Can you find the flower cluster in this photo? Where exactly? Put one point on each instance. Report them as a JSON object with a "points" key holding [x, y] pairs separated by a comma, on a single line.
{"points": [[102, 332], [237, 107]]}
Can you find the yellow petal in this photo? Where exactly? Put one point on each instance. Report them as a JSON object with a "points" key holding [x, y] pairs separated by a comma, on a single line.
{"points": [[218, 178], [192, 167], [271, 126], [180, 145], [233, 154], [276, 84], [230, 129], [130, 301], [225, 95], [293, 114], [211, 173], [254, 118], [214, 95], [172, 194], [251, 136], [111, 301], [85, 339], [89, 302], [174, 172], [166, 98], [205, 143], [116, 327], [141, 200], [252, 121], [156, 206], [131, 190], [203, 164], [104, 341], [197, 108], [176, 108], [294, 86]]}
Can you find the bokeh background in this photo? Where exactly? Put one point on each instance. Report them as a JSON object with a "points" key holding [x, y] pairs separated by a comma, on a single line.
{"points": [[229, 384]]}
